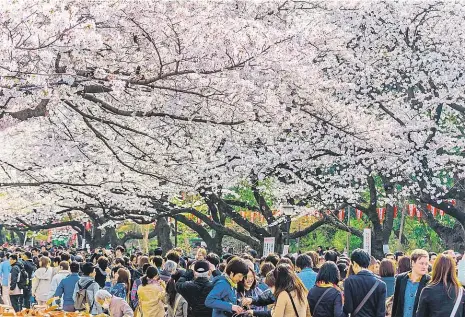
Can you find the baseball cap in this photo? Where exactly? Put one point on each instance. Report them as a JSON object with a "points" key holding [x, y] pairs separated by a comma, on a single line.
{"points": [[201, 266]]}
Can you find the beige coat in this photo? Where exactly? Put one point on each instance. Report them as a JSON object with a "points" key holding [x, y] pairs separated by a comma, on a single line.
{"points": [[151, 300], [284, 308], [41, 283]]}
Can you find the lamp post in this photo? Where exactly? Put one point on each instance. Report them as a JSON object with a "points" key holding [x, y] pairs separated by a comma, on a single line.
{"points": [[288, 211]]}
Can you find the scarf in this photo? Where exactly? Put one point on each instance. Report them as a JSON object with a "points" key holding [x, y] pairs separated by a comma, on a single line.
{"points": [[233, 285]]}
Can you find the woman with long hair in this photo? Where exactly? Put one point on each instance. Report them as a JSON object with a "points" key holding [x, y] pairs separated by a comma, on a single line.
{"points": [[443, 297], [325, 298], [42, 281], [290, 294], [119, 284], [151, 294], [386, 272], [249, 288], [177, 305]]}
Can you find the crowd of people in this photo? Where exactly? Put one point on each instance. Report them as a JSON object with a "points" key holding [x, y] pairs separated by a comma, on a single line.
{"points": [[316, 283]]}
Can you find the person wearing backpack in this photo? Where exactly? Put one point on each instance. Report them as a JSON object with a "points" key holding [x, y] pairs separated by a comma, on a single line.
{"points": [[30, 268], [18, 281], [85, 290]]}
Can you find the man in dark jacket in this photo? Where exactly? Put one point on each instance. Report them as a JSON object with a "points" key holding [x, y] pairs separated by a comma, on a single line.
{"points": [[15, 292], [408, 285], [357, 287], [195, 292], [30, 268]]}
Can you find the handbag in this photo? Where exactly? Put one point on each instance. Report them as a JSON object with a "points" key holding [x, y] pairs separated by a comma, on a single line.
{"points": [[457, 302], [365, 299]]}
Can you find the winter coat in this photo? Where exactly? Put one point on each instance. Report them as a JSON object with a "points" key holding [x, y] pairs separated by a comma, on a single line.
{"points": [[435, 301], [41, 283], [221, 298], [14, 275], [399, 293], [284, 307], [329, 306], [355, 289], [30, 268], [264, 299], [181, 309], [195, 293], [151, 300]]}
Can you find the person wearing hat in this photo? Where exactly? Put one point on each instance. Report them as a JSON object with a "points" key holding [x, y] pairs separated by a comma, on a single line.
{"points": [[195, 285]]}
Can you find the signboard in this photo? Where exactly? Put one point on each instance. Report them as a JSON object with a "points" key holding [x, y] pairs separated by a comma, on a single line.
{"points": [[285, 249], [386, 248], [367, 240], [268, 245]]}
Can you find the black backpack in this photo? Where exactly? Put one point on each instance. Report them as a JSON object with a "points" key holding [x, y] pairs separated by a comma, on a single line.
{"points": [[23, 279]]}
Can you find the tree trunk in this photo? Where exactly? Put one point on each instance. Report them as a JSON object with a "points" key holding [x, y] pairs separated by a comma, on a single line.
{"points": [[163, 234], [215, 244]]}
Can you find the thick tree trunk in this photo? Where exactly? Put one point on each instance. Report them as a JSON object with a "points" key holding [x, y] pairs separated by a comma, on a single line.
{"points": [[215, 244], [163, 231]]}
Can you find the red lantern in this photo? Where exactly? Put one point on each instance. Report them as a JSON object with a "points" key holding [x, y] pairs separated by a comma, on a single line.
{"points": [[412, 209], [358, 214], [381, 212], [341, 215], [395, 212]]}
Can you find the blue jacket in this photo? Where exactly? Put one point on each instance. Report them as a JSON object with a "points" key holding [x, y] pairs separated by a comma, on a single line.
{"points": [[308, 277], [66, 288], [221, 298], [390, 281], [5, 271]]}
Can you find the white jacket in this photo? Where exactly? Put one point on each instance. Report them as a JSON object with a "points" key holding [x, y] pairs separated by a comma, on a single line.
{"points": [[41, 283]]}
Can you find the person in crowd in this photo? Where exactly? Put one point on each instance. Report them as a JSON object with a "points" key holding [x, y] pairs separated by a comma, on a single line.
{"points": [[386, 272], [15, 290], [114, 305], [408, 285], [398, 255], [55, 264], [432, 257], [151, 294], [177, 306], [325, 298], [452, 254], [158, 262], [273, 258], [404, 265], [42, 281], [248, 288], [364, 293], [390, 256], [57, 278], [331, 255], [169, 269], [118, 285], [119, 251], [374, 265], [5, 272], [196, 291], [30, 268], [100, 271], [222, 298], [304, 266], [290, 294], [264, 269], [443, 296], [134, 300], [87, 282], [320, 251], [315, 260], [287, 261], [65, 288]]}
